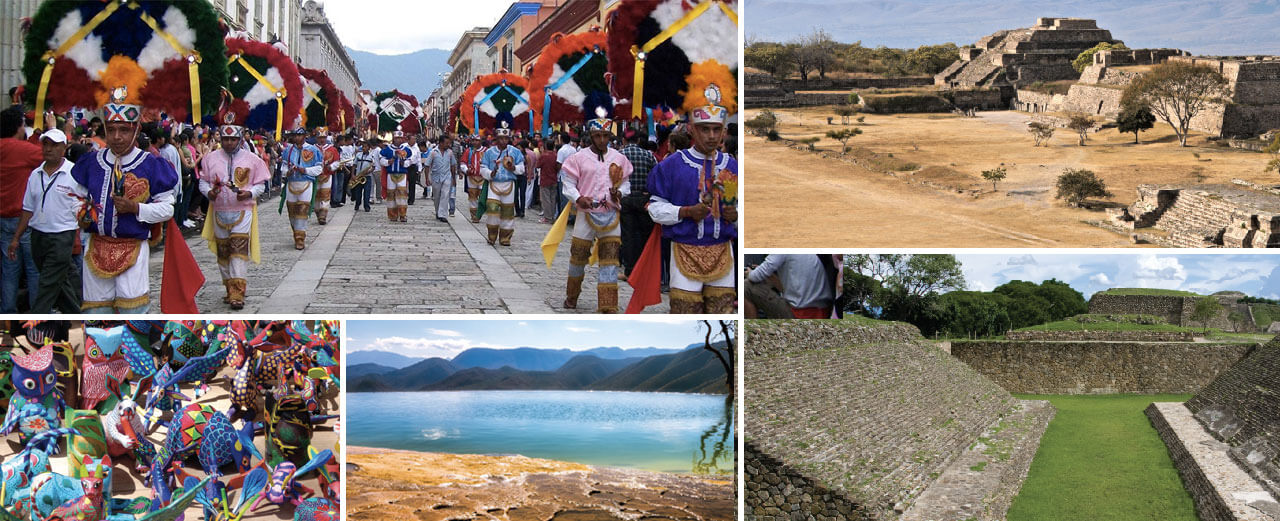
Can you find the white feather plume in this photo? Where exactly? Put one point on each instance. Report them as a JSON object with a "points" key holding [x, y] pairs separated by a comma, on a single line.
{"points": [[712, 36], [260, 94], [569, 91], [158, 51], [86, 54]]}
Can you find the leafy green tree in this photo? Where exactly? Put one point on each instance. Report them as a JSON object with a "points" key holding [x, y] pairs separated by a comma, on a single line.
{"points": [[1135, 119], [809, 141], [1177, 92], [1206, 308], [1040, 131], [973, 314], [1236, 319], [843, 135], [1076, 185], [1032, 304], [845, 112], [764, 122], [911, 283], [995, 175], [771, 57], [1085, 59], [1081, 124]]}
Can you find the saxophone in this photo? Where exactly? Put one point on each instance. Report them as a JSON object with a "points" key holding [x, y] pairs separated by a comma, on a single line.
{"points": [[360, 177]]}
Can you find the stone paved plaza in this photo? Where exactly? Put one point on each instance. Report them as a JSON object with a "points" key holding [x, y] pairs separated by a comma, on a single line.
{"points": [[361, 263]]}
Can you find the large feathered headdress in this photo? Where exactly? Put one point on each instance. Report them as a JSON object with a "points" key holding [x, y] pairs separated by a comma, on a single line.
{"points": [[395, 110], [568, 81], [495, 98], [324, 102], [166, 54], [666, 53], [265, 82]]}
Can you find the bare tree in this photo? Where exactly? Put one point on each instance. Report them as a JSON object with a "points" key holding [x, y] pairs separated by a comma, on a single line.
{"points": [[726, 353]]}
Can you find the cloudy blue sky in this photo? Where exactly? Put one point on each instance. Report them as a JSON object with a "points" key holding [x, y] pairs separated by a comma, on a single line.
{"points": [[446, 338], [1256, 275], [1213, 27]]}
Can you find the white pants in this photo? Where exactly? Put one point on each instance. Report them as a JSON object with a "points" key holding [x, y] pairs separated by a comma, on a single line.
{"points": [[397, 190], [128, 292], [232, 266], [679, 281], [298, 192], [501, 211]]}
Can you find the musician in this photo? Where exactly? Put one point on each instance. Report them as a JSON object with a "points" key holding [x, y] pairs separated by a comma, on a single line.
{"points": [[442, 166], [324, 181], [367, 167], [233, 177]]}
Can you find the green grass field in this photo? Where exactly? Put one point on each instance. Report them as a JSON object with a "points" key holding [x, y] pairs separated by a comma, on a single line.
{"points": [[1100, 459], [1072, 325], [1151, 292]]}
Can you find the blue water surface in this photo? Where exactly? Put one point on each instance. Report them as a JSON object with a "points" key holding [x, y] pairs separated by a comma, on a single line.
{"points": [[668, 432]]}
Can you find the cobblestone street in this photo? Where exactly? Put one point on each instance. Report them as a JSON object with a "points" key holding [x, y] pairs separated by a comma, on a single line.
{"points": [[361, 263]]}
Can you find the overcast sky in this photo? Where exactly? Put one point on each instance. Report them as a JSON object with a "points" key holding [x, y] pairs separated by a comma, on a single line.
{"points": [[404, 26], [446, 338], [1256, 275]]}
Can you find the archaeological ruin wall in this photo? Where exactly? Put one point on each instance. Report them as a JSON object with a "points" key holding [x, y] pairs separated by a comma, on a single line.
{"points": [[1225, 441], [1202, 216], [853, 421], [1010, 58], [1175, 310], [1098, 367], [1085, 334]]}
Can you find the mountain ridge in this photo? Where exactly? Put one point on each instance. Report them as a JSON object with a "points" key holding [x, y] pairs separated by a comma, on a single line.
{"points": [[415, 73]]}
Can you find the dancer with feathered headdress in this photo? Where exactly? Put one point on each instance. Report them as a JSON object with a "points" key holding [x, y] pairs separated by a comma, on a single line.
{"points": [[233, 178]]}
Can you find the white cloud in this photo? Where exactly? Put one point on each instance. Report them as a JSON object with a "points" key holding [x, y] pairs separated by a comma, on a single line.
{"points": [[579, 329], [1101, 278], [1154, 271], [1025, 260], [445, 332], [522, 323]]}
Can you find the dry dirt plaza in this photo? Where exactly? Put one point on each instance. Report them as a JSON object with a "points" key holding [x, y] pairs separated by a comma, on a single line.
{"points": [[797, 198]]}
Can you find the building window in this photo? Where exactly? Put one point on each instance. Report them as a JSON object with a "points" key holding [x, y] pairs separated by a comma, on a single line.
{"points": [[242, 13], [506, 57]]}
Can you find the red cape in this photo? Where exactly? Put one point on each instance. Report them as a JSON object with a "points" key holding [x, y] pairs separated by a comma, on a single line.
{"points": [[646, 278], [182, 277]]}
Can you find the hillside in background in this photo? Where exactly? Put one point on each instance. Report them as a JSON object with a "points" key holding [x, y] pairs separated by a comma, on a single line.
{"points": [[416, 73], [662, 370], [383, 358], [1214, 27]]}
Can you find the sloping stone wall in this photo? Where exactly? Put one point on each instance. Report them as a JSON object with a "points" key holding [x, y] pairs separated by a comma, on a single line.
{"points": [[1174, 309], [853, 418], [1084, 367], [1242, 408], [1084, 334]]}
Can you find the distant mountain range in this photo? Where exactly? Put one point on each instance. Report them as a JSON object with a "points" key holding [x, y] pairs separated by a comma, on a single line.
{"points": [[416, 73], [1221, 27], [608, 368]]}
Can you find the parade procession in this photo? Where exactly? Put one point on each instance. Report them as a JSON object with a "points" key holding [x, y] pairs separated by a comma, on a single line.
{"points": [[211, 168]]}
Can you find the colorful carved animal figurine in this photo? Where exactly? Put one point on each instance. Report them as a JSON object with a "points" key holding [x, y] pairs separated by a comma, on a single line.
{"points": [[88, 507], [102, 358], [124, 430], [317, 509], [141, 361], [254, 483], [165, 393], [184, 340], [209, 434], [6, 385], [88, 442], [51, 491], [289, 426], [285, 484], [32, 461], [37, 406]]}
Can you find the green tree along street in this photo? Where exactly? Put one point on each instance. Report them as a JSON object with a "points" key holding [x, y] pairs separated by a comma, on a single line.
{"points": [[1101, 460], [1177, 92]]}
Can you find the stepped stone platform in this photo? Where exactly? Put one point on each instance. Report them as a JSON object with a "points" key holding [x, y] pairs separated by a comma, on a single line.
{"points": [[1098, 367], [847, 420], [1009, 58], [1225, 441], [1202, 216]]}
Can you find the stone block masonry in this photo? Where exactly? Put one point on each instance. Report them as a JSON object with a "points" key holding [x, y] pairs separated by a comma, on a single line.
{"points": [[1096, 367], [1204, 216], [850, 421], [1175, 310], [1242, 409], [1084, 334]]}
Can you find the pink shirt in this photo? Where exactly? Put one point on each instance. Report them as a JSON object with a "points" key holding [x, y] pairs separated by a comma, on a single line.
{"points": [[586, 175], [249, 171]]}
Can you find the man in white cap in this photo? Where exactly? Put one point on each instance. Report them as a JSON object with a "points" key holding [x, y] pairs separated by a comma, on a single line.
{"points": [[595, 179], [50, 211], [125, 191], [397, 158], [233, 177], [500, 167]]}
